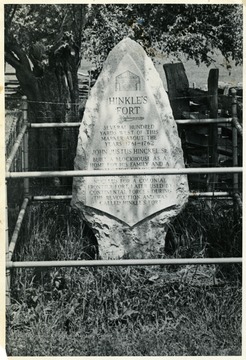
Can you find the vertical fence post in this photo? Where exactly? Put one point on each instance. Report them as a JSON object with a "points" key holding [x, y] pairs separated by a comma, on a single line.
{"points": [[234, 146], [178, 88], [25, 145], [213, 79], [8, 272], [234, 140]]}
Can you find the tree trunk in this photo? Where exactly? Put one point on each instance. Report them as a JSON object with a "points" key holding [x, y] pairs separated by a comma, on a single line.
{"points": [[47, 72], [52, 97], [49, 106]]}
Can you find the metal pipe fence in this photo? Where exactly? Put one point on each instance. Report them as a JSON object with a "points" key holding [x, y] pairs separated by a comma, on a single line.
{"points": [[133, 172], [178, 121], [22, 140], [130, 262], [224, 194]]}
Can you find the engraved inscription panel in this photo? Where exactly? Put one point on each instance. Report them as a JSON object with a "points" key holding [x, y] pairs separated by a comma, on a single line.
{"points": [[129, 135]]}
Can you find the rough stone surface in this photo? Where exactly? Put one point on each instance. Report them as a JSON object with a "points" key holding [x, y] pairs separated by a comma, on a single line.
{"points": [[128, 124]]}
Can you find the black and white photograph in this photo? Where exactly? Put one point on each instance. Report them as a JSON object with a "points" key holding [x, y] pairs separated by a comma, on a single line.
{"points": [[123, 178]]}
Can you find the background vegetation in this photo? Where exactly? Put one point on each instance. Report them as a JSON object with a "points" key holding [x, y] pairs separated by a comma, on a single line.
{"points": [[54, 38], [45, 44]]}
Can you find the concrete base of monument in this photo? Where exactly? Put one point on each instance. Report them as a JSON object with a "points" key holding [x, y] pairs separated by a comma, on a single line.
{"points": [[117, 240]]}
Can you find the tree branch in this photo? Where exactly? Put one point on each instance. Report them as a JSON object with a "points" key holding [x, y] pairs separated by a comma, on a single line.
{"points": [[18, 55], [12, 60]]}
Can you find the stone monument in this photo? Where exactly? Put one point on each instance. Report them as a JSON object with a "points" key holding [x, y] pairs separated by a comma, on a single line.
{"points": [[128, 124]]}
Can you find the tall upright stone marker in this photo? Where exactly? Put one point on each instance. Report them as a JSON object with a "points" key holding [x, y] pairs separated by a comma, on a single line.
{"points": [[128, 124]]}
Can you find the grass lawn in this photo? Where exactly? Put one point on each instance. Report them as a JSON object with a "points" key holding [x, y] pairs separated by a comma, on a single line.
{"points": [[127, 311]]}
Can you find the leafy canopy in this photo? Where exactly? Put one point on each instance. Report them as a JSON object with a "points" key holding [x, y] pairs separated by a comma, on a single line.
{"points": [[193, 30], [43, 31]]}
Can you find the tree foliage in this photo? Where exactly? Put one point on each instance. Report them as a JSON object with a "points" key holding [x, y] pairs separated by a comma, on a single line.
{"points": [[56, 36], [193, 30], [42, 43], [45, 43], [41, 40]]}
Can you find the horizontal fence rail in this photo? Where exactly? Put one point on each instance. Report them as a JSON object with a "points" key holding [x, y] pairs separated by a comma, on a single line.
{"points": [[130, 262], [192, 194], [51, 125], [203, 121], [178, 121], [86, 173]]}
